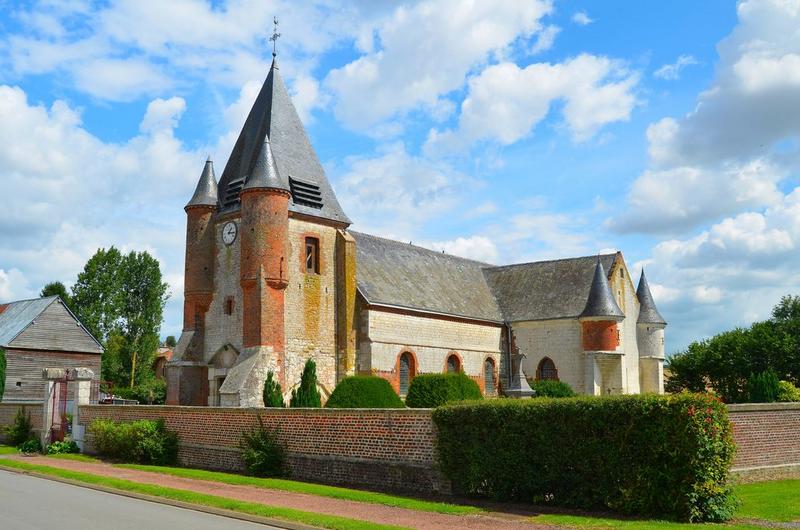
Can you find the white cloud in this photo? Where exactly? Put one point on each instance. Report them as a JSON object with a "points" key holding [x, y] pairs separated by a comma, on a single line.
{"points": [[582, 18], [672, 72], [75, 193], [545, 39], [425, 52], [736, 147], [505, 102], [479, 248]]}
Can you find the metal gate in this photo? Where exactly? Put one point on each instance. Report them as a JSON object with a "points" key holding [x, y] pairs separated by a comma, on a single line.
{"points": [[58, 420]]}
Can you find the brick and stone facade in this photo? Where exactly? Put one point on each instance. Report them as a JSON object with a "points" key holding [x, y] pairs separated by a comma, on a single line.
{"points": [[275, 277]]}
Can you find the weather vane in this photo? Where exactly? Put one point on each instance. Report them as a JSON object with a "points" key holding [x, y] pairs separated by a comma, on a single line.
{"points": [[275, 35]]}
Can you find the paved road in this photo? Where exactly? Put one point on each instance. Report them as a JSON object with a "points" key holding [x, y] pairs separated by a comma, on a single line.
{"points": [[28, 503]]}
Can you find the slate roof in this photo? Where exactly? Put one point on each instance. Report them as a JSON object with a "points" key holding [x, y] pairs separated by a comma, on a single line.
{"points": [[403, 275], [273, 115], [601, 301], [648, 314], [16, 316], [205, 194], [544, 290], [265, 174]]}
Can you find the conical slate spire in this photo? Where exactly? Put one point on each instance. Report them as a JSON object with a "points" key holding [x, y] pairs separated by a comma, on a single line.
{"points": [[601, 302], [273, 117], [206, 192], [265, 174], [648, 314]]}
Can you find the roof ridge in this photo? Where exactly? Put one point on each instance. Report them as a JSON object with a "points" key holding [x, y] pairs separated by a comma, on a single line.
{"points": [[30, 299], [426, 249], [592, 256]]}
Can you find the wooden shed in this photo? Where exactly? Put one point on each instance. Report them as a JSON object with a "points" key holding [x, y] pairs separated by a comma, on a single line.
{"points": [[42, 333]]}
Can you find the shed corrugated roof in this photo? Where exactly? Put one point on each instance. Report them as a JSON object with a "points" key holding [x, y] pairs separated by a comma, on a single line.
{"points": [[18, 315]]}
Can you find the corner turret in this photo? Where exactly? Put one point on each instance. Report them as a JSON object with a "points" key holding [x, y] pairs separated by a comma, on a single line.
{"points": [[650, 340]]}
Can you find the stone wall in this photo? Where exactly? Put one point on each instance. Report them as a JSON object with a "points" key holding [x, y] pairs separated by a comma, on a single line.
{"points": [[767, 438], [384, 335], [372, 448], [9, 410], [560, 340]]}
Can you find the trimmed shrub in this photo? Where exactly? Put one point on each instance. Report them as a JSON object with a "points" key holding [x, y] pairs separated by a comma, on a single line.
{"points": [[21, 430], [434, 390], [788, 392], [2, 372], [658, 456], [140, 441], [549, 388], [65, 447], [30, 446], [262, 453], [763, 387], [273, 395], [307, 395], [364, 392]]}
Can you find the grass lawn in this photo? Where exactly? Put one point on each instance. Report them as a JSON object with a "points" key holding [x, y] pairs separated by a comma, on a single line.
{"points": [[287, 514], [312, 489], [774, 502], [8, 450], [74, 456]]}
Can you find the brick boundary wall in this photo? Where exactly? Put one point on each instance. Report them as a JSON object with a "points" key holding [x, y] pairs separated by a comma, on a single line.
{"points": [[386, 449], [394, 449], [8, 409], [767, 440]]}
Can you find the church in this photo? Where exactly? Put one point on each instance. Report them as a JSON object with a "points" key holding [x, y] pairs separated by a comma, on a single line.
{"points": [[274, 276]]}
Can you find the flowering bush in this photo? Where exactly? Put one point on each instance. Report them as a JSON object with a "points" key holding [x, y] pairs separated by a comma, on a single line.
{"points": [[664, 456]]}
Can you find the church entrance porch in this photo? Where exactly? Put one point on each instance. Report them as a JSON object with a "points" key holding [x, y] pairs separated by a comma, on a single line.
{"points": [[604, 373]]}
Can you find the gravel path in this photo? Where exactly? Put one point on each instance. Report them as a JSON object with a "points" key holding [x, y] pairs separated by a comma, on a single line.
{"points": [[311, 503]]}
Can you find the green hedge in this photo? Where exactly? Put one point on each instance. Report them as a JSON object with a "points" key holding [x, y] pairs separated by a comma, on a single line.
{"points": [[140, 441], [660, 456], [549, 388], [433, 390], [364, 392]]}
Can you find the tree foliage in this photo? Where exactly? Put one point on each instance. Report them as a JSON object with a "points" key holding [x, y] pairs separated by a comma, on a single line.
{"points": [[273, 395], [170, 341], [57, 289], [307, 394], [726, 361], [120, 299]]}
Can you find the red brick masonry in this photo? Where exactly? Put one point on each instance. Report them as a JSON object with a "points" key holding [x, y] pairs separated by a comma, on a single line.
{"points": [[394, 449]]}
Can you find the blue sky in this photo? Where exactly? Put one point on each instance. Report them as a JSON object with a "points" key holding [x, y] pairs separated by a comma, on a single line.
{"points": [[499, 130]]}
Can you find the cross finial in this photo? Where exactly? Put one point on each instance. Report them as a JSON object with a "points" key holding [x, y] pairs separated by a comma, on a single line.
{"points": [[275, 35]]}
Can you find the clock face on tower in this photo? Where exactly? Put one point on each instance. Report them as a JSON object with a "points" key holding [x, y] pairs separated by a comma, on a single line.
{"points": [[229, 233]]}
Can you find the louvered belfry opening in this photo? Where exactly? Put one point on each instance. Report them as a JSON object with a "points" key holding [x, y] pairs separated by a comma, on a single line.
{"points": [[232, 194], [305, 193]]}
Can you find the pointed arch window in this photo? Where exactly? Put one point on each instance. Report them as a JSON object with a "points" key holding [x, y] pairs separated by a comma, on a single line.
{"points": [[407, 370], [488, 377], [453, 364], [546, 371]]}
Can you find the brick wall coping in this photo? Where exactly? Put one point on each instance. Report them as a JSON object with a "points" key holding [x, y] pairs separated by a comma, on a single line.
{"points": [[762, 407], [276, 410]]}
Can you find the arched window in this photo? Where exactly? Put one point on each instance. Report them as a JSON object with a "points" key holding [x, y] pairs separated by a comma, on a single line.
{"points": [[488, 377], [407, 370], [453, 364], [547, 370]]}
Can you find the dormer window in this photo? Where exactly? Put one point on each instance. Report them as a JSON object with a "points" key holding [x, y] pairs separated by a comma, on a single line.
{"points": [[312, 255]]}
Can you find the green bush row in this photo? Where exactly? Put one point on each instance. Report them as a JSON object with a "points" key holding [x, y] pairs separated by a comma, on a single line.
{"points": [[434, 390], [364, 391], [140, 441], [549, 388], [663, 456]]}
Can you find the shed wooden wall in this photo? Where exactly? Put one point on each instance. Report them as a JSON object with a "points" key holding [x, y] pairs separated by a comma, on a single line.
{"points": [[25, 367], [55, 329]]}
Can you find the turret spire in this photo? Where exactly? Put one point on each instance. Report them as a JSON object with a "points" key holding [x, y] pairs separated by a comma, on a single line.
{"points": [[601, 302], [648, 314], [205, 194], [265, 173]]}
